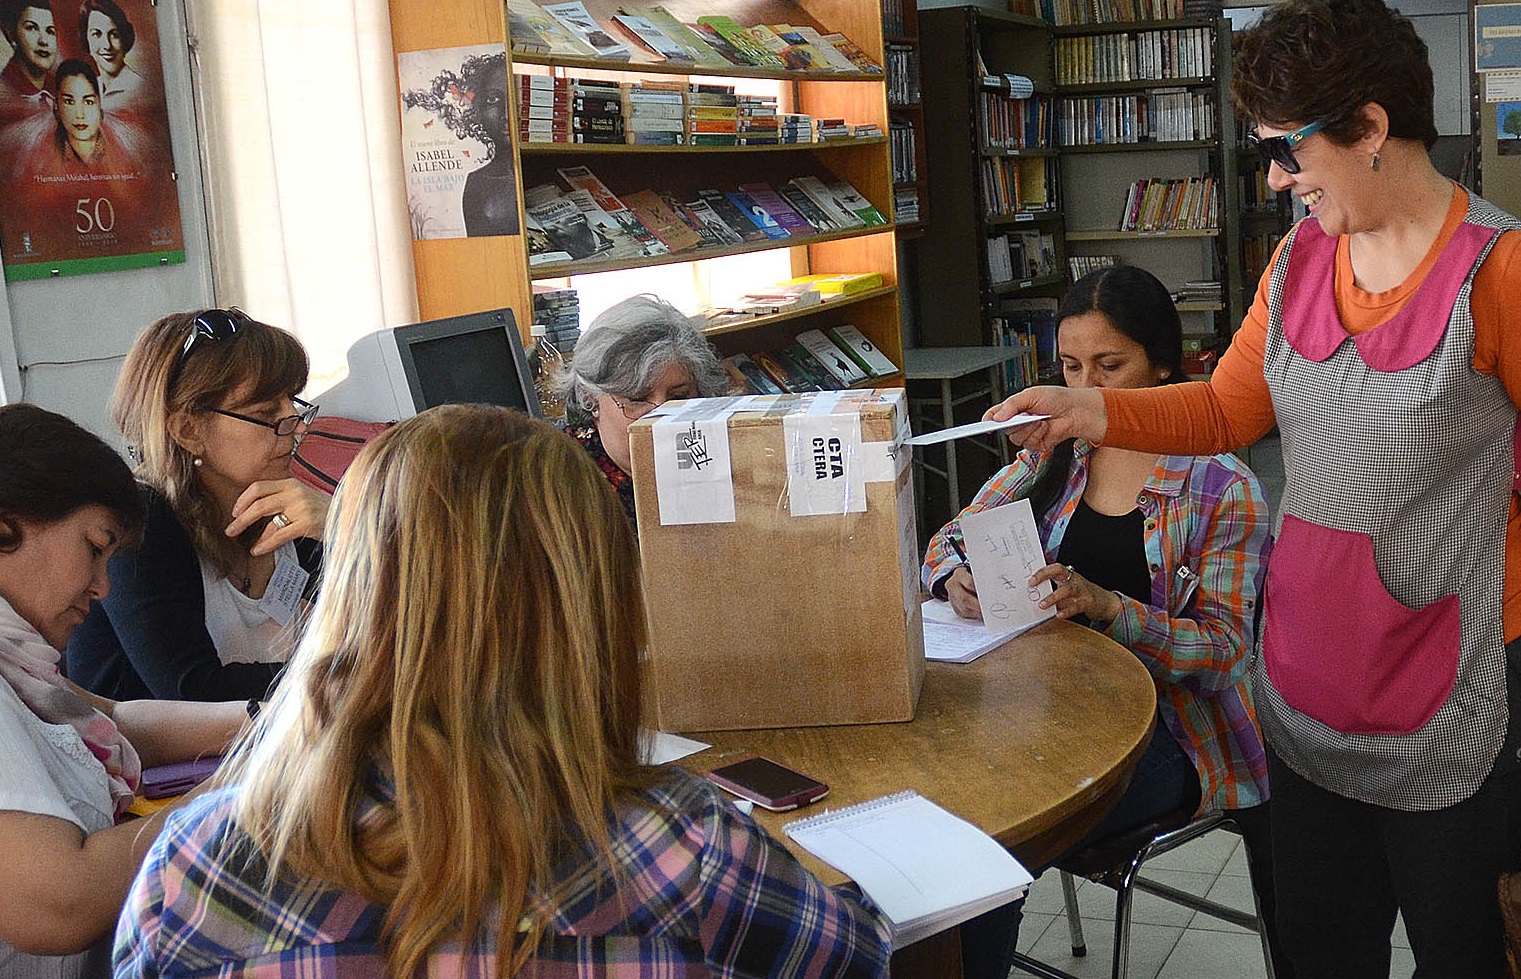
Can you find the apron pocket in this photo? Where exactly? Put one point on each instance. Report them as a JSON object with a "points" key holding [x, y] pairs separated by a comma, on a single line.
{"points": [[1340, 648]]}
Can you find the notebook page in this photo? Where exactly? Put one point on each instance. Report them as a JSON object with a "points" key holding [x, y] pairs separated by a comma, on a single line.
{"points": [[912, 858]]}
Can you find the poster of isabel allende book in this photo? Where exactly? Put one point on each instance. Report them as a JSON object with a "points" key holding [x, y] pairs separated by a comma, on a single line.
{"points": [[86, 167], [456, 140]]}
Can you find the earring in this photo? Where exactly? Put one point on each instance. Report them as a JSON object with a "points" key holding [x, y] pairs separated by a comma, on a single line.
{"points": [[1375, 161], [196, 462]]}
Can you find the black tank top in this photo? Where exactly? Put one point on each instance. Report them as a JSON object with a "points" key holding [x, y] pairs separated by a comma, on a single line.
{"points": [[1109, 551]]}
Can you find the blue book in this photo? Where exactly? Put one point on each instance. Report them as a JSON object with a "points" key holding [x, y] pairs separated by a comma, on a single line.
{"points": [[757, 214]]}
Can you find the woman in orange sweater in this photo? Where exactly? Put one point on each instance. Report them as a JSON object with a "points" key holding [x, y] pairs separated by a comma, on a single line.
{"points": [[1385, 343]]}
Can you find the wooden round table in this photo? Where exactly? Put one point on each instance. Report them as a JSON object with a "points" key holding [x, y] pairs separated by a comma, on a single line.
{"points": [[1034, 743]]}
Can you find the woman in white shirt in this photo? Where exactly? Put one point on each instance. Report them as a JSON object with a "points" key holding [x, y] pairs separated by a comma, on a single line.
{"points": [[69, 762]]}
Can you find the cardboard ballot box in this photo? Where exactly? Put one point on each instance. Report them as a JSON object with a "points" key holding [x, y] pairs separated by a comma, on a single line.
{"points": [[781, 564]]}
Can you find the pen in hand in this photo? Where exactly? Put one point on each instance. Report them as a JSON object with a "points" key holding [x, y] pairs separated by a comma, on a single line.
{"points": [[956, 546]]}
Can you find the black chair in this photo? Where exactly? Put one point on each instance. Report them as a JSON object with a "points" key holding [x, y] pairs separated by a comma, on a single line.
{"points": [[1116, 862]]}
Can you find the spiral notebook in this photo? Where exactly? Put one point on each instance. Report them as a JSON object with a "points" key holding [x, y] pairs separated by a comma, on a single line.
{"points": [[927, 869]]}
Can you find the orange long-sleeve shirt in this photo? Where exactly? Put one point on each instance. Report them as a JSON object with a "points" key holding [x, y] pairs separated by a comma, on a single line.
{"points": [[1235, 409]]}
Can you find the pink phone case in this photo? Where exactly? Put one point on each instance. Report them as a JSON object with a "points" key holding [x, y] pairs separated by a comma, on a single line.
{"points": [[807, 788]]}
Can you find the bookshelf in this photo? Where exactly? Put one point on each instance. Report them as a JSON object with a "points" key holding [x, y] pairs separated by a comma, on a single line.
{"points": [[1150, 101], [905, 109], [996, 174], [458, 275]]}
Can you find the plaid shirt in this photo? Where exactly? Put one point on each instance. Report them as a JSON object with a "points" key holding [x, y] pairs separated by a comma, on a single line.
{"points": [[707, 892], [1207, 530]]}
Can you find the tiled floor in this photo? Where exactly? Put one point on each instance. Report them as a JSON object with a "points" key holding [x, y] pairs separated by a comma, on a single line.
{"points": [[1167, 941]]}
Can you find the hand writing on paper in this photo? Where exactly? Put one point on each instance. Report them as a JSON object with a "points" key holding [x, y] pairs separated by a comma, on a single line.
{"points": [[961, 592], [1076, 595]]}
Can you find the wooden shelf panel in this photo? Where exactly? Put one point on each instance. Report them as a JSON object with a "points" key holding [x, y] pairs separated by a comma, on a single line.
{"points": [[626, 149], [559, 270], [738, 326], [1134, 85], [1147, 147], [1141, 235], [1020, 285]]}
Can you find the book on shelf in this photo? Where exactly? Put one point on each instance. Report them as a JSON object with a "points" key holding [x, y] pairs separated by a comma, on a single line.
{"points": [[786, 376], [705, 234], [750, 375], [852, 51], [810, 211], [544, 29], [773, 204], [566, 225], [793, 57], [825, 55], [925, 868], [582, 179], [737, 219], [719, 44], [837, 285], [776, 299], [625, 240], [667, 23], [720, 229], [1081, 265], [742, 41], [579, 21], [653, 39], [541, 248], [661, 221], [851, 200], [865, 353], [831, 357], [820, 194], [798, 357], [757, 215]]}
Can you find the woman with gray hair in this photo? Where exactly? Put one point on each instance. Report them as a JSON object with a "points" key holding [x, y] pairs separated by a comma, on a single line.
{"points": [[636, 356]]}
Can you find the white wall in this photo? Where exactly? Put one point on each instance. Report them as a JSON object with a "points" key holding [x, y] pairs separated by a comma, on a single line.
{"points": [[62, 340]]}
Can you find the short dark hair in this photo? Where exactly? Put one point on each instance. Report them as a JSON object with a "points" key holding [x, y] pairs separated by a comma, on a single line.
{"points": [[72, 67], [50, 467], [10, 16], [118, 17], [1323, 60]]}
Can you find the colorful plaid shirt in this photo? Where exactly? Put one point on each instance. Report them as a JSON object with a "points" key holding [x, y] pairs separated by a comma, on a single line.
{"points": [[706, 892], [1207, 529]]}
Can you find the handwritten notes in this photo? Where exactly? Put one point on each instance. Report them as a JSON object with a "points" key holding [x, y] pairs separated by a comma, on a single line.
{"points": [[1004, 550]]}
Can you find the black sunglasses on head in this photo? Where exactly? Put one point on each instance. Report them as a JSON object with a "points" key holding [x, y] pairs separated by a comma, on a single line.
{"points": [[212, 324]]}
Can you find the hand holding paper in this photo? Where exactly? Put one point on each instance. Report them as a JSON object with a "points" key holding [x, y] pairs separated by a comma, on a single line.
{"points": [[1004, 546], [1060, 414], [973, 428]]}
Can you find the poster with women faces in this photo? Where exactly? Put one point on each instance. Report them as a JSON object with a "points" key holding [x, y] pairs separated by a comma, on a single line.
{"points": [[86, 165], [456, 142]]}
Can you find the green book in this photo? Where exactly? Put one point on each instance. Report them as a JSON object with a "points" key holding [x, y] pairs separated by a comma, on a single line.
{"points": [[683, 35], [742, 40]]}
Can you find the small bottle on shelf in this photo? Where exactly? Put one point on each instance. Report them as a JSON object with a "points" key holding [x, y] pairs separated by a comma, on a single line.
{"points": [[544, 362]]}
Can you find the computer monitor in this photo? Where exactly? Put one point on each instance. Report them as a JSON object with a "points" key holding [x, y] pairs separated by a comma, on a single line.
{"points": [[396, 373]]}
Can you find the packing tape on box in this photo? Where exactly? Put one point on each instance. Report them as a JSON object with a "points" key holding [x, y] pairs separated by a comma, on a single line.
{"points": [[825, 470]]}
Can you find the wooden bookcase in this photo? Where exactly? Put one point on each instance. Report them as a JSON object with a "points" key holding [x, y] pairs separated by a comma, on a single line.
{"points": [[970, 49], [468, 274], [1109, 169]]}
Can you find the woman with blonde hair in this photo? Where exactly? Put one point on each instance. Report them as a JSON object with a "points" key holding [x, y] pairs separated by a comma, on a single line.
{"points": [[204, 607], [450, 778]]}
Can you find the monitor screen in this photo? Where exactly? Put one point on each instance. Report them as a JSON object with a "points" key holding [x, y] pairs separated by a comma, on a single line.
{"points": [[476, 358]]}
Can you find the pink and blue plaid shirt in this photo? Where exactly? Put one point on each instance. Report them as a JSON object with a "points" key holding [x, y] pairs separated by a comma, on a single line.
{"points": [[706, 892], [1207, 530]]}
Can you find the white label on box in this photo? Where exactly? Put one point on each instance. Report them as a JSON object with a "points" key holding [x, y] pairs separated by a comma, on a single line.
{"points": [[1003, 547], [825, 469], [693, 480]]}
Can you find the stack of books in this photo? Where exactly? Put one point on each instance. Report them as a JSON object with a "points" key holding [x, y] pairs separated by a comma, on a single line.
{"points": [[869, 130], [795, 127], [906, 205], [815, 361], [656, 112], [757, 122], [566, 110], [828, 129], [1198, 291], [712, 115], [559, 312]]}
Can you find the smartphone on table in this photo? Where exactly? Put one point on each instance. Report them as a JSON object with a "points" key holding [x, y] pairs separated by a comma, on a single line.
{"points": [[767, 784]]}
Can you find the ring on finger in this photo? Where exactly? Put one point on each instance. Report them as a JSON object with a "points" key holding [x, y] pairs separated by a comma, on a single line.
{"points": [[1070, 573], [280, 520]]}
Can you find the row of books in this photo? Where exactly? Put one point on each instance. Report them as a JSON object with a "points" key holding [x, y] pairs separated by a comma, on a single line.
{"points": [[591, 223], [710, 42], [558, 310], [1018, 184], [818, 360], [903, 144], [568, 110], [1198, 291], [902, 74], [1021, 255], [1161, 116], [1186, 52], [791, 295], [893, 24], [1081, 265], [1064, 13], [1155, 204], [1028, 325], [1014, 123], [906, 205]]}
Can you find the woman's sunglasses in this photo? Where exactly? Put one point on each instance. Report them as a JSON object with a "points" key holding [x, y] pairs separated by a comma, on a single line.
{"points": [[1280, 149], [213, 324]]}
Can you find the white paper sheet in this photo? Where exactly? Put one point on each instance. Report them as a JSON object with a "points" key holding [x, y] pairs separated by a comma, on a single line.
{"points": [[662, 747], [974, 428], [693, 478], [948, 638], [825, 470], [1004, 550]]}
